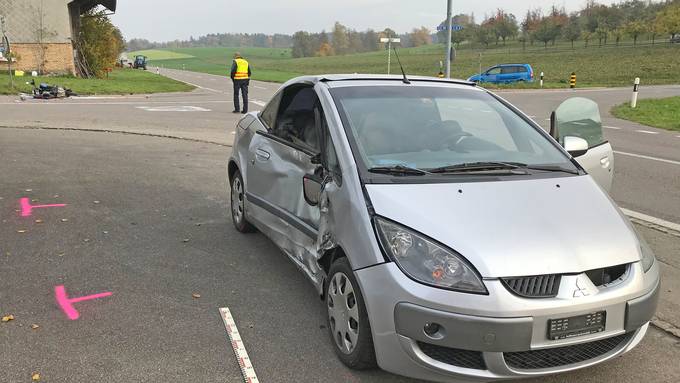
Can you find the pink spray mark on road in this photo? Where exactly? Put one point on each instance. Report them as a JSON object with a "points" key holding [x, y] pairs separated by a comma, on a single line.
{"points": [[27, 208], [66, 303]]}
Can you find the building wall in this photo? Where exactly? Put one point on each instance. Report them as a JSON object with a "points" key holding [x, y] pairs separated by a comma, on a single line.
{"points": [[23, 26], [58, 57]]}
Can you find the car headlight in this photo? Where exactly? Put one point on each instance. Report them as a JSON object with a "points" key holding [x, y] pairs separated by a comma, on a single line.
{"points": [[425, 261], [646, 254]]}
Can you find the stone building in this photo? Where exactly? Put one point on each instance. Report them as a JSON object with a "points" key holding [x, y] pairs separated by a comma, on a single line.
{"points": [[41, 32]]}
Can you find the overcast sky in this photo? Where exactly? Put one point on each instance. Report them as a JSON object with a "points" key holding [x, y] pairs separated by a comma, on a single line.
{"points": [[163, 20]]}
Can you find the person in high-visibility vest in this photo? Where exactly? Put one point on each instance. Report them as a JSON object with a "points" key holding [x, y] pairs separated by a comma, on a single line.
{"points": [[240, 75]]}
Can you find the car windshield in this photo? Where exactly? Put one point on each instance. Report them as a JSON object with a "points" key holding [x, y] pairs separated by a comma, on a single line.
{"points": [[430, 127]]}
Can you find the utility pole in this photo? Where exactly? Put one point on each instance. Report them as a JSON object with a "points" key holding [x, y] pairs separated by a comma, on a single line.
{"points": [[449, 26]]}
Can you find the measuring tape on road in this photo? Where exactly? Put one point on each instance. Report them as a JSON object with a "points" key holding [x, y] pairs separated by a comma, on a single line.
{"points": [[239, 348]]}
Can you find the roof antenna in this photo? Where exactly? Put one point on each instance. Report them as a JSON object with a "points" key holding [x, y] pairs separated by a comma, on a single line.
{"points": [[405, 80]]}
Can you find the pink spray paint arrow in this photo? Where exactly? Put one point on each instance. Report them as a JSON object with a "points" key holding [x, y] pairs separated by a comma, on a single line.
{"points": [[27, 208], [66, 303]]}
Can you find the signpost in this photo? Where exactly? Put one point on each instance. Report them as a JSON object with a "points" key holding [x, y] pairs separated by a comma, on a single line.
{"points": [[6, 50], [389, 41], [449, 26]]}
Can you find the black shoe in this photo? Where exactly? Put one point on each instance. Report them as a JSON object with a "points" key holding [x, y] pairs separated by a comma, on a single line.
{"points": [[235, 111], [244, 112]]}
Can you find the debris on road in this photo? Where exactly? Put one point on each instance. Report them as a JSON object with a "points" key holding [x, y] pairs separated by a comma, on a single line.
{"points": [[185, 240], [35, 376], [38, 221], [64, 220], [196, 295], [7, 318], [22, 231], [34, 326]]}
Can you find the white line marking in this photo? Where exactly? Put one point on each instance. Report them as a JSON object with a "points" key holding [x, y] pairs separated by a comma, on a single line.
{"points": [[201, 87], [646, 132], [239, 348], [173, 109], [257, 102], [611, 127], [259, 87], [648, 157], [114, 103], [648, 218], [677, 136]]}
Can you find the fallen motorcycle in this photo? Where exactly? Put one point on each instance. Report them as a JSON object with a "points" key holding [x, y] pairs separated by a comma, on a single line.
{"points": [[45, 91]]}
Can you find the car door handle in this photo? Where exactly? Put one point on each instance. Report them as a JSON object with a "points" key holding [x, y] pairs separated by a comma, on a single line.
{"points": [[262, 155]]}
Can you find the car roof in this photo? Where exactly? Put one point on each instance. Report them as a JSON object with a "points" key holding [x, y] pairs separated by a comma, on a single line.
{"points": [[333, 80]]}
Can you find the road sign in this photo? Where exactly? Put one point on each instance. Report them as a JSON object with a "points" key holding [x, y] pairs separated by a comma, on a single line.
{"points": [[453, 27], [390, 40]]}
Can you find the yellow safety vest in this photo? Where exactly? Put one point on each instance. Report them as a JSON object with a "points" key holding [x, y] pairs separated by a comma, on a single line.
{"points": [[241, 70]]}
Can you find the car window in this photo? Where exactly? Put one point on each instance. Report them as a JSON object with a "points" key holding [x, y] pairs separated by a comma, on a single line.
{"points": [[508, 69], [522, 69], [295, 121], [492, 71], [429, 127], [268, 115], [330, 155]]}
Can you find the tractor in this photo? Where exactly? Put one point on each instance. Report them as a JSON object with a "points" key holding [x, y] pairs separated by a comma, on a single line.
{"points": [[140, 62]]}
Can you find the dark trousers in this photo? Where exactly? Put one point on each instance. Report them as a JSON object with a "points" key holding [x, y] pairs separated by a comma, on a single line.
{"points": [[241, 85]]}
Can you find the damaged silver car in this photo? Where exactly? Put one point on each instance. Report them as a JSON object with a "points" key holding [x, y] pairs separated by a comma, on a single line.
{"points": [[450, 237]]}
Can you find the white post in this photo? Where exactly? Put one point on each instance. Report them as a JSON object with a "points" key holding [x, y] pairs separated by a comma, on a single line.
{"points": [[158, 70], [541, 79], [636, 86], [389, 55], [449, 25]]}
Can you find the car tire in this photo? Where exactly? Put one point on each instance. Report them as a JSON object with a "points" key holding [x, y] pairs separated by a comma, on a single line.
{"points": [[352, 340], [238, 204]]}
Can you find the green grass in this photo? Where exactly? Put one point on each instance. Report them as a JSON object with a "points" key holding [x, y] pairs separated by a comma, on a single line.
{"points": [[661, 113], [120, 81], [156, 54], [606, 66]]}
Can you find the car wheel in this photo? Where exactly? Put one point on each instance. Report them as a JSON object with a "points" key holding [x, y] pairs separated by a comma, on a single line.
{"points": [[348, 323], [238, 205]]}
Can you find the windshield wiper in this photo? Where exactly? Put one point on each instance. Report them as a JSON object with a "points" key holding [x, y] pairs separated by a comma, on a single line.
{"points": [[476, 166], [552, 168], [398, 170]]}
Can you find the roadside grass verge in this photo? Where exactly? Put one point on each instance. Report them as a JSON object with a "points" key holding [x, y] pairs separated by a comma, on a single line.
{"points": [[120, 81], [661, 113], [156, 54], [606, 66]]}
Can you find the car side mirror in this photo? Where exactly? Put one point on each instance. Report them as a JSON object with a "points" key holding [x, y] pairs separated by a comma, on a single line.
{"points": [[311, 187], [576, 146], [577, 117]]}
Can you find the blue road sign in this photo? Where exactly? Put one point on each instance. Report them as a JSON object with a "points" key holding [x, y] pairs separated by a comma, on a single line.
{"points": [[453, 27]]}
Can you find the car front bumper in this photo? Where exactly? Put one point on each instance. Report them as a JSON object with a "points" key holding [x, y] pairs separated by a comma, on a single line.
{"points": [[500, 335]]}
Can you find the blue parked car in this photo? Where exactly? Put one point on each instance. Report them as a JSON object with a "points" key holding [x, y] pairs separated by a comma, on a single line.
{"points": [[505, 74]]}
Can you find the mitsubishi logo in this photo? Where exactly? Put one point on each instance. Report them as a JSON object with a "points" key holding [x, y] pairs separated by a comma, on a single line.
{"points": [[581, 289]]}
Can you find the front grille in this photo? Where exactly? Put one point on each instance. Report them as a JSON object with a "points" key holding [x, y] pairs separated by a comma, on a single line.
{"points": [[562, 356], [537, 286], [453, 356]]}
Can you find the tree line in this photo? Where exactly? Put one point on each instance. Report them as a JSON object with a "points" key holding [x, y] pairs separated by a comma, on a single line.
{"points": [[217, 40], [594, 22]]}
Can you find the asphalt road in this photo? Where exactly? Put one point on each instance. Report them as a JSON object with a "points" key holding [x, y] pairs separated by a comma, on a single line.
{"points": [[146, 219]]}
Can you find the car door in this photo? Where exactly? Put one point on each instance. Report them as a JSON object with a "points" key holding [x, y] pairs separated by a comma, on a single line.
{"points": [[281, 155], [508, 74], [491, 75], [580, 117]]}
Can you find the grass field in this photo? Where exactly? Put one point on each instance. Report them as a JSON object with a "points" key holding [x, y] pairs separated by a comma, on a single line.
{"points": [[121, 81], [661, 113], [606, 66], [157, 54]]}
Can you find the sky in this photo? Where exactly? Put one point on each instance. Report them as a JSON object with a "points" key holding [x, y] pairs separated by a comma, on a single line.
{"points": [[165, 20]]}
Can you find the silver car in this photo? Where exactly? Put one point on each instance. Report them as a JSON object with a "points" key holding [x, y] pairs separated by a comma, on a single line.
{"points": [[450, 237]]}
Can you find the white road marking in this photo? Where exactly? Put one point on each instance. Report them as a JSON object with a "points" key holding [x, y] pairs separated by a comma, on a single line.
{"points": [[646, 132], [239, 348], [653, 220], [611, 127], [259, 87], [173, 109], [258, 102], [648, 157], [113, 103], [201, 87]]}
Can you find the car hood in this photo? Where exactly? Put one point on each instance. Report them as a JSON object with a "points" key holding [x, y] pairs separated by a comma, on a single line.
{"points": [[474, 78], [516, 227]]}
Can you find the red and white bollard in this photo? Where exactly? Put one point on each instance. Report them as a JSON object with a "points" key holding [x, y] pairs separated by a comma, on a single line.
{"points": [[636, 87]]}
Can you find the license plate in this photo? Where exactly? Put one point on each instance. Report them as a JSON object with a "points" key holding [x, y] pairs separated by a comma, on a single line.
{"points": [[580, 325]]}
